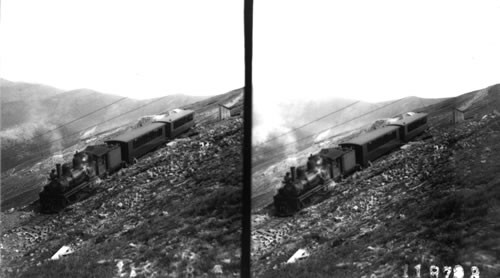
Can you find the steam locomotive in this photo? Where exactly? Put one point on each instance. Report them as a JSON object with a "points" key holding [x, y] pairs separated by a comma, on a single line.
{"points": [[332, 164], [101, 160]]}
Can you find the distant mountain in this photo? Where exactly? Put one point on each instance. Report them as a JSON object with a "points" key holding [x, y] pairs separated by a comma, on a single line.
{"points": [[15, 91], [34, 117], [18, 100]]}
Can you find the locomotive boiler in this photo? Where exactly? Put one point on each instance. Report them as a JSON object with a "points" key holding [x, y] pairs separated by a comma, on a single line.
{"points": [[68, 178]]}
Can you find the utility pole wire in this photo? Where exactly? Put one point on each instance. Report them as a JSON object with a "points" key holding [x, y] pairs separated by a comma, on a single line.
{"points": [[334, 126], [311, 122], [86, 115], [132, 110]]}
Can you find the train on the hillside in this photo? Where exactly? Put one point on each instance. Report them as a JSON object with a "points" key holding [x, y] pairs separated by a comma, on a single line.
{"points": [[100, 160], [335, 163]]}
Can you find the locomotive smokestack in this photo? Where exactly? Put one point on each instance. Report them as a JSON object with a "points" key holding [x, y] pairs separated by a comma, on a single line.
{"points": [[293, 173], [58, 169]]}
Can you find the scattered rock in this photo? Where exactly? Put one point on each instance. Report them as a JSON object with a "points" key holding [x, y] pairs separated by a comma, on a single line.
{"points": [[217, 269], [298, 255], [63, 251]]}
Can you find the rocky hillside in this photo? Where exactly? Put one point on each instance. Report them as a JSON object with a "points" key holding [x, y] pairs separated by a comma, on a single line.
{"points": [[176, 213], [433, 202]]}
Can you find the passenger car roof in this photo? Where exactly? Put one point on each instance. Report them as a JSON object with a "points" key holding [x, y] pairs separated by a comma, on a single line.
{"points": [[370, 136], [138, 132]]}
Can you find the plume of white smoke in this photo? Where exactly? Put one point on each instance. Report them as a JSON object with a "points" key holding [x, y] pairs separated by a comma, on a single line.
{"points": [[57, 157], [271, 130], [35, 129], [287, 142], [56, 141], [18, 133], [27, 132]]}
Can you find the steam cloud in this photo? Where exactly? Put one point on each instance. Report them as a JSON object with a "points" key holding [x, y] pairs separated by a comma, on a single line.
{"points": [[270, 123], [27, 132], [38, 122]]}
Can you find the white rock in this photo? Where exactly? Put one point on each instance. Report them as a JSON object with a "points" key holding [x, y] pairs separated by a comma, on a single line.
{"points": [[299, 255], [217, 269], [63, 251]]}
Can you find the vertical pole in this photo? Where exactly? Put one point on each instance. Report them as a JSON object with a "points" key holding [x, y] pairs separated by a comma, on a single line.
{"points": [[247, 143]]}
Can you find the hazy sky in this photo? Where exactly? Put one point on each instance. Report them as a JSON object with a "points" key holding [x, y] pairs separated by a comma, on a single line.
{"points": [[375, 50], [139, 49], [369, 50]]}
